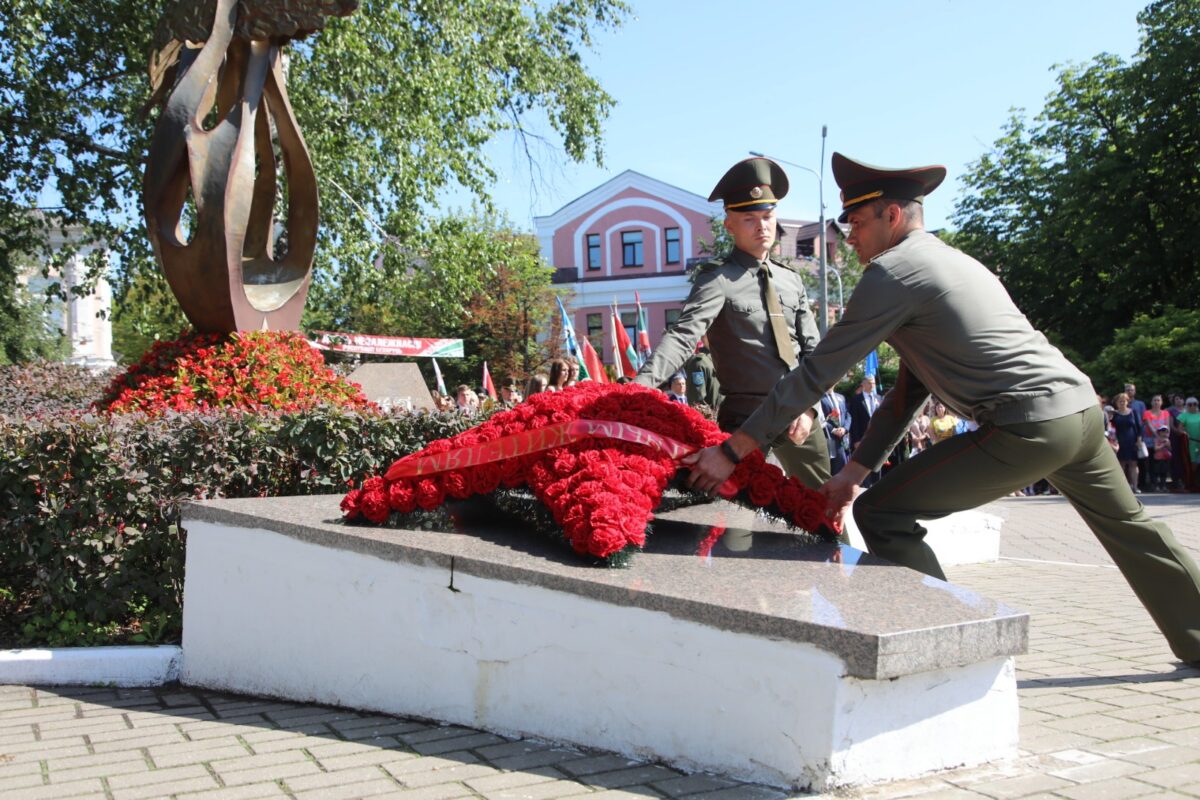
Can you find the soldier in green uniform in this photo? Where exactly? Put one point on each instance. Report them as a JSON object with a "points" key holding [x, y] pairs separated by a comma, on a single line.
{"points": [[755, 312], [960, 336], [703, 387]]}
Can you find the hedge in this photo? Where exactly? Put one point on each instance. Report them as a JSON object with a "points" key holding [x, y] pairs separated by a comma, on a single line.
{"points": [[91, 550]]}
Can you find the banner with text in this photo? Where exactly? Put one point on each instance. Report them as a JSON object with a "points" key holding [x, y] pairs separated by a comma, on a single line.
{"points": [[386, 345]]}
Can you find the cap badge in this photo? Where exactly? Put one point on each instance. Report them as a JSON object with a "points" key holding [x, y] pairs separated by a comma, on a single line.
{"points": [[756, 192]]}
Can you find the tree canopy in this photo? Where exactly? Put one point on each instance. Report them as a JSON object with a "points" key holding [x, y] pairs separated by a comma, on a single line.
{"points": [[1088, 212], [395, 101]]}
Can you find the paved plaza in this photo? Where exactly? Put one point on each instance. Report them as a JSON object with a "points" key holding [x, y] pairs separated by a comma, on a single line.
{"points": [[1106, 714]]}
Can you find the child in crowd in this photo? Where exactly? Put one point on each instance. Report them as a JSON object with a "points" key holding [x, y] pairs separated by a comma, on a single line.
{"points": [[1160, 462]]}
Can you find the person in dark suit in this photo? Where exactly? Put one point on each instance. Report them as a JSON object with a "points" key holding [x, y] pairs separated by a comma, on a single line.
{"points": [[837, 429], [862, 408]]}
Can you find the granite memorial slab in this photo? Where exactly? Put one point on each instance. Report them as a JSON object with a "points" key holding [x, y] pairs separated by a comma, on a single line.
{"points": [[394, 386], [725, 646]]}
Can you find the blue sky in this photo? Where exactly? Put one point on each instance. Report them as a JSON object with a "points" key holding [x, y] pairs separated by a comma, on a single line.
{"points": [[700, 83]]}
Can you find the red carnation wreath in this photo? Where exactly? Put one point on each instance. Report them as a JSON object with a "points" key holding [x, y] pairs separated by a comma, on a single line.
{"points": [[598, 456]]}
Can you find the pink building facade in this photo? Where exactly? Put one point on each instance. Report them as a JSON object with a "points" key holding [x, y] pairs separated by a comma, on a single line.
{"points": [[632, 234]]}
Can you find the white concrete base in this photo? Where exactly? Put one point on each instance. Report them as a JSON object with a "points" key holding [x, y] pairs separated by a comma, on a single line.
{"points": [[965, 537], [152, 665], [271, 615]]}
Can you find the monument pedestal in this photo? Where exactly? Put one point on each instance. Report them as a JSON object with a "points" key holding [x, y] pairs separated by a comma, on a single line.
{"points": [[778, 659]]}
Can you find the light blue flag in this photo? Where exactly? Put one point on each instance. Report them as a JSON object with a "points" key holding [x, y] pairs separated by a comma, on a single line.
{"points": [[871, 364], [568, 330]]}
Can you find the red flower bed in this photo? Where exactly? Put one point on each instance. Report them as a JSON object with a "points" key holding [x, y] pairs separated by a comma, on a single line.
{"points": [[601, 490], [275, 370]]}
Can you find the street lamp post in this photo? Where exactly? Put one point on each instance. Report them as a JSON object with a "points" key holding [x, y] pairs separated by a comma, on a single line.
{"points": [[822, 266], [841, 299]]}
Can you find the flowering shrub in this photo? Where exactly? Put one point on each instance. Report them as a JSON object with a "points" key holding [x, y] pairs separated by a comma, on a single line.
{"points": [[601, 489], [274, 370]]}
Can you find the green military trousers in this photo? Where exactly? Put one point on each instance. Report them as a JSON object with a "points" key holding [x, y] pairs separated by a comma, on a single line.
{"points": [[974, 468], [807, 463]]}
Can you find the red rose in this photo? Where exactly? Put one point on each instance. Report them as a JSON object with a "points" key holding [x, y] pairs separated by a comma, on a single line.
{"points": [[763, 487], [789, 497], [454, 483], [564, 463], [485, 478], [540, 475], [811, 513], [557, 489], [512, 472], [373, 484], [350, 504], [575, 515], [374, 506], [429, 494], [401, 497]]}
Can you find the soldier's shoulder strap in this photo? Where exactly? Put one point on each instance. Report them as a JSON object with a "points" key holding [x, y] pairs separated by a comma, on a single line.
{"points": [[788, 265], [712, 263]]}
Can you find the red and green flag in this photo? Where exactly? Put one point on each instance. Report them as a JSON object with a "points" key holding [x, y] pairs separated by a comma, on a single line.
{"points": [[643, 332], [624, 356]]}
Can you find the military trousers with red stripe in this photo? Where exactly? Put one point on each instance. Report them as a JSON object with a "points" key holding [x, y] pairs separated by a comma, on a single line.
{"points": [[974, 468]]}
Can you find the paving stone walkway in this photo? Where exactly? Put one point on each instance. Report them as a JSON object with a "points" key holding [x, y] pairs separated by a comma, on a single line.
{"points": [[1106, 714]]}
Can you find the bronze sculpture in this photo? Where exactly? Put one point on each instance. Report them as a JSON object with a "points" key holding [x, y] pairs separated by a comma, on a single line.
{"points": [[214, 144]]}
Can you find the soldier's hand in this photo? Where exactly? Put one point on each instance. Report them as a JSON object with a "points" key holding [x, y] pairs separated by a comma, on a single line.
{"points": [[841, 489], [709, 469], [800, 428]]}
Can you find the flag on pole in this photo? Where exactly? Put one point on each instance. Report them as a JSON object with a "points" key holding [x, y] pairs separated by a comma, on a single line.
{"points": [[871, 364], [591, 365], [569, 341], [624, 355], [643, 332], [488, 386], [441, 384]]}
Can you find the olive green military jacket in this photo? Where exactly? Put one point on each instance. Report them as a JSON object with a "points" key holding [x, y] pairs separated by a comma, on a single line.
{"points": [[703, 386], [959, 336], [727, 302]]}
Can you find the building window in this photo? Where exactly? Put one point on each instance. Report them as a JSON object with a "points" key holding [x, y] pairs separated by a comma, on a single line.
{"points": [[804, 248], [629, 322], [631, 249], [595, 331], [671, 235], [672, 316], [593, 244]]}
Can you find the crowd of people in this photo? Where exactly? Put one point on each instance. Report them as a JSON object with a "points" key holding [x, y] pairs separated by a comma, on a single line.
{"points": [[1157, 445], [559, 374]]}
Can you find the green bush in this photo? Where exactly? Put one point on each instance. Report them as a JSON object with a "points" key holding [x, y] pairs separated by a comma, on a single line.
{"points": [[90, 548], [1158, 354]]}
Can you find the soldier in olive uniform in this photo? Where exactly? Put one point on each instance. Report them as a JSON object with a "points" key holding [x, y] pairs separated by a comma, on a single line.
{"points": [[703, 388], [960, 336], [755, 312]]}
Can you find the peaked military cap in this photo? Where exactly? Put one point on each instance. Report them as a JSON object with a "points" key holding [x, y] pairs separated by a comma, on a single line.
{"points": [[861, 183], [755, 184]]}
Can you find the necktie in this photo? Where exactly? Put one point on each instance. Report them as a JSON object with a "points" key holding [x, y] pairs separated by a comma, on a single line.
{"points": [[783, 339]]}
